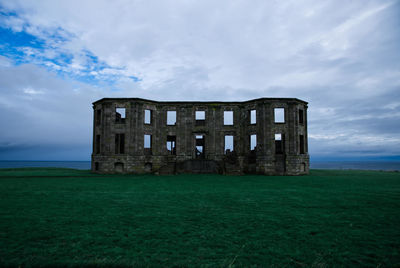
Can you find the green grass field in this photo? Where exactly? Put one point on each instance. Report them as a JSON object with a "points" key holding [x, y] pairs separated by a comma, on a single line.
{"points": [[63, 217]]}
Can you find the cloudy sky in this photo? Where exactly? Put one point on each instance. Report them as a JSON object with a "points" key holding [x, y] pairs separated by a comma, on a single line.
{"points": [[57, 57]]}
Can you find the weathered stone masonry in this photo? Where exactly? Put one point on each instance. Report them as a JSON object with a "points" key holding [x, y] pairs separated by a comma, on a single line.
{"points": [[262, 136]]}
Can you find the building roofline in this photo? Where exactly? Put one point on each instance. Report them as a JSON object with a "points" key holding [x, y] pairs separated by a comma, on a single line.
{"points": [[198, 102]]}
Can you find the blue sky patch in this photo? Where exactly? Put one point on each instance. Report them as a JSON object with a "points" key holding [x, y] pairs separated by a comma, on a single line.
{"points": [[22, 47], [19, 39]]}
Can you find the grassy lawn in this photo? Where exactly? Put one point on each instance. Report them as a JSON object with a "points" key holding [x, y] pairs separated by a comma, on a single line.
{"points": [[64, 217]]}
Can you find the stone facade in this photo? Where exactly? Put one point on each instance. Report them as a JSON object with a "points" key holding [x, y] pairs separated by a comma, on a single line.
{"points": [[262, 136]]}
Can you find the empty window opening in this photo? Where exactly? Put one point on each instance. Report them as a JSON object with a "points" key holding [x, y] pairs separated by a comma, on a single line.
{"points": [[98, 117], [119, 167], [301, 138], [148, 167], [97, 144], [120, 115], [228, 118], [253, 118], [200, 115], [147, 141], [147, 117], [147, 144], [171, 118], [200, 146], [200, 118], [303, 167], [171, 144], [228, 148], [279, 115], [279, 144], [301, 116], [96, 166], [252, 156], [253, 142], [120, 143]]}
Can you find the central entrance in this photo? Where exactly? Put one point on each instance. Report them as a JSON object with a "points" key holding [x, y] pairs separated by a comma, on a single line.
{"points": [[200, 146]]}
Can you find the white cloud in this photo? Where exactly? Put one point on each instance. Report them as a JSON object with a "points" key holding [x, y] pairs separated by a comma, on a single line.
{"points": [[32, 91]]}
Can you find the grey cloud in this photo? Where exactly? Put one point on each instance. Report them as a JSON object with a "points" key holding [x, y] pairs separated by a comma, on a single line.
{"points": [[340, 57], [39, 108]]}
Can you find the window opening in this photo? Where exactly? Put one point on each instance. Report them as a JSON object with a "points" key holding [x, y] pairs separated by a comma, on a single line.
{"points": [[279, 147], [147, 141], [147, 144], [119, 167], [253, 142], [120, 115], [98, 117], [301, 137], [303, 167], [97, 145], [200, 144], [200, 117], [148, 167], [120, 143], [253, 119], [171, 118], [301, 116], [279, 115], [147, 117], [171, 144], [96, 166], [252, 156], [228, 148], [228, 118]]}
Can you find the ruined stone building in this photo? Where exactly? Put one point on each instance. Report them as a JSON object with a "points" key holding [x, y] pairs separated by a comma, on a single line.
{"points": [[261, 136]]}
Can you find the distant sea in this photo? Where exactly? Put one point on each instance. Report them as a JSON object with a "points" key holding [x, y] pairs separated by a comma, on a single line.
{"points": [[58, 164], [364, 165]]}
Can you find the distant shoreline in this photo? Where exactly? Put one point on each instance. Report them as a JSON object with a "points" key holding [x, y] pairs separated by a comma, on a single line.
{"points": [[84, 165]]}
